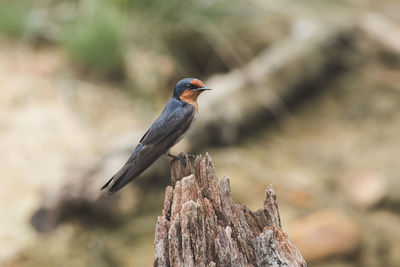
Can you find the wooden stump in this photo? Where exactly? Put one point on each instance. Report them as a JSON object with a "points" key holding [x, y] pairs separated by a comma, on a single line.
{"points": [[201, 225]]}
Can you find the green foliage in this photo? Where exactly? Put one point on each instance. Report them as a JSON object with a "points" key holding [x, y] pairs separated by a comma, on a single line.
{"points": [[194, 33], [13, 18], [95, 41], [202, 37]]}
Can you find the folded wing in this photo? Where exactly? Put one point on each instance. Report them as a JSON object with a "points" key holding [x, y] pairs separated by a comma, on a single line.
{"points": [[165, 131]]}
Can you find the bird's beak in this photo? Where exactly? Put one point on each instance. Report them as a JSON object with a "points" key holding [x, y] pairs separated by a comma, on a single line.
{"points": [[203, 88]]}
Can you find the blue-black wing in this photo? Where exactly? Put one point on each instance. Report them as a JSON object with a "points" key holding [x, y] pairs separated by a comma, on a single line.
{"points": [[172, 123]]}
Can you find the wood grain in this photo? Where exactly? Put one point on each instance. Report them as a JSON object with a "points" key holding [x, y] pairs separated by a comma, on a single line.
{"points": [[201, 225]]}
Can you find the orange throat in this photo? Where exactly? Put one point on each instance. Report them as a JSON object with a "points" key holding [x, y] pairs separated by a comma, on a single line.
{"points": [[190, 97]]}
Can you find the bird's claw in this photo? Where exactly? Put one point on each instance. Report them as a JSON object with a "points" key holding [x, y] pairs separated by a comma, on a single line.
{"points": [[192, 156], [180, 157]]}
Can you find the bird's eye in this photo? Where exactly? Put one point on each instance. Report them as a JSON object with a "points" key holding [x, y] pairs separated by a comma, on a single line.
{"points": [[188, 85]]}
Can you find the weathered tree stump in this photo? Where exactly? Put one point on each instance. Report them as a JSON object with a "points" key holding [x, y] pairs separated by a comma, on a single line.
{"points": [[202, 226]]}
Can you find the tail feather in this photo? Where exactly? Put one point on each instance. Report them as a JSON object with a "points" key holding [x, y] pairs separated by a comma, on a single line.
{"points": [[140, 160], [114, 184], [107, 184], [116, 179]]}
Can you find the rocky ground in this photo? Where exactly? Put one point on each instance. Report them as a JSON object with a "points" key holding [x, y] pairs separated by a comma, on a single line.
{"points": [[48, 121]]}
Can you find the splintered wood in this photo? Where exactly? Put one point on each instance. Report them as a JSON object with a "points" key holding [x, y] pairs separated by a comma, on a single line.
{"points": [[202, 226]]}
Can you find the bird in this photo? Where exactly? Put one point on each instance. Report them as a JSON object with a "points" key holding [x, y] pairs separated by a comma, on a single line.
{"points": [[165, 132]]}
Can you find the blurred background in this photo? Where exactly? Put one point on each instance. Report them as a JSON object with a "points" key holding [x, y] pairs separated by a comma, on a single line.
{"points": [[306, 97]]}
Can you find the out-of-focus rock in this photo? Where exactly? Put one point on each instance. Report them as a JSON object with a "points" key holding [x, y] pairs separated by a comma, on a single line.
{"points": [[325, 234], [299, 198], [392, 200], [381, 245], [364, 188]]}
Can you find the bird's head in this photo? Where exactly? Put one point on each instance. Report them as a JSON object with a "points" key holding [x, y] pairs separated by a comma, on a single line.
{"points": [[189, 89]]}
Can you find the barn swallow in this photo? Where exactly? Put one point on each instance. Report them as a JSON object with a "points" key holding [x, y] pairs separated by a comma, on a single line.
{"points": [[164, 133]]}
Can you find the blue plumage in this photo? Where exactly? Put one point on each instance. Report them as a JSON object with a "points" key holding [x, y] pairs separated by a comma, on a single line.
{"points": [[172, 123]]}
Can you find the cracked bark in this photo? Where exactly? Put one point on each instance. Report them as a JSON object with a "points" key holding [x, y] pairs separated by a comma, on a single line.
{"points": [[201, 225]]}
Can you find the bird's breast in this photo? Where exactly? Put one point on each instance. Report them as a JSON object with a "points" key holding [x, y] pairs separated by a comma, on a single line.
{"points": [[190, 97]]}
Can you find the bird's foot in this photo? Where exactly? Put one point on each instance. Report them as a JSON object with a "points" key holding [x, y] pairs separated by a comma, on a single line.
{"points": [[192, 156], [180, 157]]}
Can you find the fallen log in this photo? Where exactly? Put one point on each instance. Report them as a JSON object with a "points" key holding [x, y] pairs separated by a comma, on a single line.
{"points": [[201, 225], [266, 88]]}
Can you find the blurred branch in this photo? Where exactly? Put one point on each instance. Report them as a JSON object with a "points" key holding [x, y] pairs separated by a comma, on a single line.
{"points": [[251, 96], [382, 30]]}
